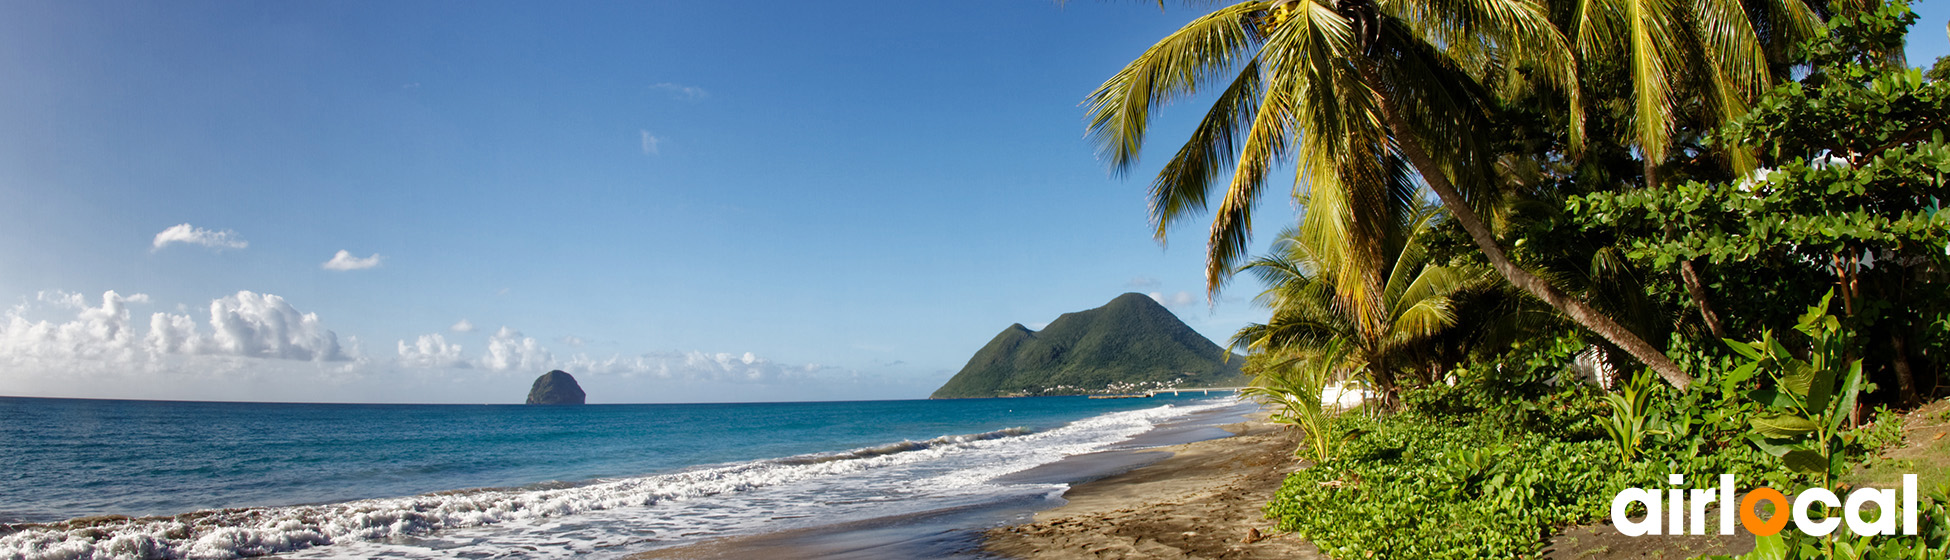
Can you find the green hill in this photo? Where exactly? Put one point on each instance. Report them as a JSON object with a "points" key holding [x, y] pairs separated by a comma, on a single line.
{"points": [[1132, 342]]}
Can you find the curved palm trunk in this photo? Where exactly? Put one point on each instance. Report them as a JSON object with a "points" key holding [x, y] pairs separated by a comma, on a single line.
{"points": [[1486, 241]]}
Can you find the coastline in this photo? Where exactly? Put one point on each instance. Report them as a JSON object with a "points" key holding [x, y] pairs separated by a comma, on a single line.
{"points": [[1204, 501], [1191, 488]]}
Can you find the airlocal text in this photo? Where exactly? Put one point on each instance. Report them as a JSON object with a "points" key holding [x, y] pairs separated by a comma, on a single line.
{"points": [[1678, 503]]}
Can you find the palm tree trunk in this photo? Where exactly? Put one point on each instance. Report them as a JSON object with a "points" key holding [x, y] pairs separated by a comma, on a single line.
{"points": [[1486, 241]]}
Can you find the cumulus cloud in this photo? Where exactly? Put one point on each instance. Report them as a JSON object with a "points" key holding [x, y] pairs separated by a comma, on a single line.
{"points": [[509, 350], [245, 325], [684, 92], [1142, 283], [185, 233], [96, 333], [345, 261], [463, 326], [265, 326], [170, 333], [1180, 299], [432, 351], [649, 142]]}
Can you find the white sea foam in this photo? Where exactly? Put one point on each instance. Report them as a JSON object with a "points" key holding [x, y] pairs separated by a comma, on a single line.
{"points": [[603, 517]]}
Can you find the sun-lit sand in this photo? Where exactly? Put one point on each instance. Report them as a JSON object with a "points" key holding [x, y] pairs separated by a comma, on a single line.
{"points": [[1203, 502]]}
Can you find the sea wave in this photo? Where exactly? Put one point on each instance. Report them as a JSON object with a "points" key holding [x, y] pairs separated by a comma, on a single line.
{"points": [[245, 532]]}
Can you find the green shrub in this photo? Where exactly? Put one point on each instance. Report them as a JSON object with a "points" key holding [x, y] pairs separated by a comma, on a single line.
{"points": [[1416, 486]]}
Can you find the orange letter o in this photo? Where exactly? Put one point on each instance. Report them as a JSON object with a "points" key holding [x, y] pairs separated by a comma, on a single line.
{"points": [[1752, 521]]}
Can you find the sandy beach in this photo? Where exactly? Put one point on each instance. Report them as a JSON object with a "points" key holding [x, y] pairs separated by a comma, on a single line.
{"points": [[1202, 502]]}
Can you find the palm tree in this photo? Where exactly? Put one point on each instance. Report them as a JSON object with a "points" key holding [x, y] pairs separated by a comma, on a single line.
{"points": [[1341, 87], [1310, 312]]}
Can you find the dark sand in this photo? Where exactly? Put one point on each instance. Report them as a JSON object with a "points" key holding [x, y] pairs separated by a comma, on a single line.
{"points": [[1203, 502]]}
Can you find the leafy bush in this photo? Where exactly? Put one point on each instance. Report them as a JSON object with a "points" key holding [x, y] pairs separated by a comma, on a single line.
{"points": [[1416, 486]]}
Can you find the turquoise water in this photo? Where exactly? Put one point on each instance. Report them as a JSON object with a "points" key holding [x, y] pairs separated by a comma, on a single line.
{"points": [[335, 480]]}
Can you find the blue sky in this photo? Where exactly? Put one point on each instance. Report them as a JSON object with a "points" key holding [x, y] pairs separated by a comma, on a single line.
{"points": [[703, 201]]}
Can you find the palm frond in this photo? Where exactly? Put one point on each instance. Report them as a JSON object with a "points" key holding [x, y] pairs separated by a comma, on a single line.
{"points": [[1120, 109], [1181, 187]]}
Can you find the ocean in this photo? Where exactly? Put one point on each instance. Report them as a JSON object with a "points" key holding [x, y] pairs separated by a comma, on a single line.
{"points": [[143, 479]]}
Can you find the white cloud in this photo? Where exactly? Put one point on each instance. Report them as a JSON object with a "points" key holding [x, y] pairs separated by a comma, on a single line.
{"points": [[572, 340], [170, 333], [684, 92], [1180, 299], [185, 233], [245, 325], [265, 326], [509, 350], [432, 351], [649, 142], [462, 326], [1142, 283], [345, 261], [95, 334]]}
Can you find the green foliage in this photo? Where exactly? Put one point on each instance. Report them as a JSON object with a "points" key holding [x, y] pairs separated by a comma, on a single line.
{"points": [[1529, 387], [1885, 431], [1130, 342], [1810, 398], [1457, 475], [1630, 408], [1294, 389], [1416, 486]]}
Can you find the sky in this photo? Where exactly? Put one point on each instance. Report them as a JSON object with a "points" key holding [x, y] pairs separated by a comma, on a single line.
{"points": [[674, 201]]}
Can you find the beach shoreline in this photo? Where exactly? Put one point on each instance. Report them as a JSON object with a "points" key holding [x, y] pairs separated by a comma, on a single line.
{"points": [[1193, 488], [1204, 501]]}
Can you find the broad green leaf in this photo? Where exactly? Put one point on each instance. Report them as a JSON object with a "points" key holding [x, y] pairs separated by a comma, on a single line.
{"points": [[1775, 447], [1771, 547], [1799, 377], [1776, 350], [1851, 387], [1820, 388], [1745, 350], [1806, 461], [1783, 426], [1741, 374], [1772, 398]]}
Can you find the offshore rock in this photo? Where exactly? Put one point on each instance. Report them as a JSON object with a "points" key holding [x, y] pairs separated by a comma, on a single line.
{"points": [[556, 387]]}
